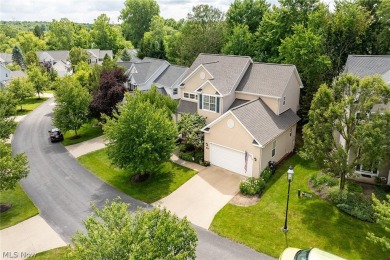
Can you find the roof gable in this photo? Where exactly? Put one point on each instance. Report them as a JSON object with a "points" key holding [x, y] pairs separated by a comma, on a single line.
{"points": [[266, 79], [171, 75], [226, 70], [142, 71]]}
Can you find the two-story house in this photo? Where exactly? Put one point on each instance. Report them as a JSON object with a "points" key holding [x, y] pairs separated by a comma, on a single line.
{"points": [[250, 109], [96, 56], [6, 75], [59, 61], [363, 66]]}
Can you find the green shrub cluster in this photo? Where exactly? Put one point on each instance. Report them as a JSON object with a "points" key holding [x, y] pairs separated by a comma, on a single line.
{"points": [[252, 186], [323, 180], [266, 174], [187, 153], [353, 186], [354, 204]]}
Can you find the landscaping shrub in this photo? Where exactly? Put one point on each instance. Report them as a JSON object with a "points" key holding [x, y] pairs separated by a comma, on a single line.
{"points": [[313, 180], [353, 186], [354, 204], [186, 156], [327, 180], [266, 174], [252, 186]]}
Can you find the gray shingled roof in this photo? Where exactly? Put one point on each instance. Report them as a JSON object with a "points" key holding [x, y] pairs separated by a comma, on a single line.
{"points": [[125, 64], [55, 55], [187, 107], [367, 65], [172, 74], [146, 68], [266, 79], [17, 74], [162, 91], [5, 57], [238, 102], [225, 69], [262, 122]]}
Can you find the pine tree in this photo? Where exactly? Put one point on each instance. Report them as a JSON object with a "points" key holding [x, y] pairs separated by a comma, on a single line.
{"points": [[18, 57]]}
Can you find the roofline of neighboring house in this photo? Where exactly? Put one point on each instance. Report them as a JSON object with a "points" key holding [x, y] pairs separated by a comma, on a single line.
{"points": [[255, 94], [176, 83], [231, 113]]}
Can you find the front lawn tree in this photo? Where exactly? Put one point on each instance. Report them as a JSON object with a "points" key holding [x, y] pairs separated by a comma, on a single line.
{"points": [[7, 111], [382, 212], [39, 79], [12, 169], [113, 233], [141, 138], [189, 126], [346, 110], [21, 88], [72, 103]]}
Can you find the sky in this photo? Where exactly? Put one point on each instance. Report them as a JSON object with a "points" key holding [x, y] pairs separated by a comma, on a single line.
{"points": [[85, 11]]}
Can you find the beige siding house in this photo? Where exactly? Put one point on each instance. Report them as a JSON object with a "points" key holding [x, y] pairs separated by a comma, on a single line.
{"points": [[250, 109]]}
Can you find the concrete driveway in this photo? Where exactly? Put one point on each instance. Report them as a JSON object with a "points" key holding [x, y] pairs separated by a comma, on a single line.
{"points": [[200, 198]]}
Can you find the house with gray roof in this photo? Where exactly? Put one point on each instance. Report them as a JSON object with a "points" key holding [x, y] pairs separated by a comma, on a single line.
{"points": [[250, 107], [5, 58], [363, 66], [59, 61], [96, 56], [6, 75], [168, 81]]}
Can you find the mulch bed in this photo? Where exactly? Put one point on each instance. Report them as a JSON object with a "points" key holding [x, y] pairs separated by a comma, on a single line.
{"points": [[244, 201], [4, 207]]}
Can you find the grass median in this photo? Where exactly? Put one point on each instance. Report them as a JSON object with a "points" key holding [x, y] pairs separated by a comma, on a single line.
{"points": [[171, 177], [312, 222], [87, 132], [29, 105]]}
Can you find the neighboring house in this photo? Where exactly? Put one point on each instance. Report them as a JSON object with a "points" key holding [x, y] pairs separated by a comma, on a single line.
{"points": [[250, 109], [133, 55], [5, 58], [59, 61], [96, 56], [142, 74], [168, 81], [363, 66], [6, 75]]}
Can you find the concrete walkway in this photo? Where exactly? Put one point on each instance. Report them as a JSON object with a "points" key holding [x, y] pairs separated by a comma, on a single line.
{"points": [[27, 238], [92, 145]]}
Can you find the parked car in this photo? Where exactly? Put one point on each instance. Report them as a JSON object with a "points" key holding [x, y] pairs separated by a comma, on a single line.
{"points": [[292, 253], [56, 135]]}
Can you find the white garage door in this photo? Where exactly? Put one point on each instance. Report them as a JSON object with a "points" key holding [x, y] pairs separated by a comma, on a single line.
{"points": [[230, 159]]}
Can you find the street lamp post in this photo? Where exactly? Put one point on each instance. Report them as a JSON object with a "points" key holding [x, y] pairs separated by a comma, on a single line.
{"points": [[290, 174]]}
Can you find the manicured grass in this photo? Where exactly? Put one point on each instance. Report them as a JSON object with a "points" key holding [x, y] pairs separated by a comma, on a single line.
{"points": [[22, 207], [171, 177], [56, 253], [29, 105], [312, 222], [86, 132]]}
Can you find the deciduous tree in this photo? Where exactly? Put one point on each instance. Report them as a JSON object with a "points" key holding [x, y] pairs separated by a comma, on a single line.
{"points": [[239, 42], [141, 137], [382, 213], [345, 110], [137, 16], [21, 88], [72, 102], [112, 233], [7, 111], [76, 56], [39, 79], [190, 126]]}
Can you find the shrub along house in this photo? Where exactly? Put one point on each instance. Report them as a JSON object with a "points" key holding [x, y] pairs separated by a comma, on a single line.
{"points": [[250, 109]]}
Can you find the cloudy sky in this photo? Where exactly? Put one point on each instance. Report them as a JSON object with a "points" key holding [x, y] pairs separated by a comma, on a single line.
{"points": [[85, 11]]}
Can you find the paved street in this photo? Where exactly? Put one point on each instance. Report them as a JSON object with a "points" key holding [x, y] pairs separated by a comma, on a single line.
{"points": [[62, 189]]}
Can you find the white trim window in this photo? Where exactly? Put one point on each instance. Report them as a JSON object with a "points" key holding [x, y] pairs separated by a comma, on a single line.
{"points": [[189, 95], [369, 170], [210, 103], [174, 91], [273, 148], [284, 101]]}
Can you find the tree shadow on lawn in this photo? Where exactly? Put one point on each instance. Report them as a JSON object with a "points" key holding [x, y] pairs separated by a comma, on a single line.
{"points": [[337, 232]]}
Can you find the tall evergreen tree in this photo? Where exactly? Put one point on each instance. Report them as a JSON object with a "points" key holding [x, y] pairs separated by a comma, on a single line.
{"points": [[18, 57]]}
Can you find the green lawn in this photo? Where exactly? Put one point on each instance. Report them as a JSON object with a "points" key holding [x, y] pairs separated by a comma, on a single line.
{"points": [[311, 222], [56, 253], [29, 105], [86, 132], [22, 207], [171, 177]]}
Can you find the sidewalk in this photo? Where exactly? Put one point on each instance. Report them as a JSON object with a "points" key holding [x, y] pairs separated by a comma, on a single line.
{"points": [[28, 238]]}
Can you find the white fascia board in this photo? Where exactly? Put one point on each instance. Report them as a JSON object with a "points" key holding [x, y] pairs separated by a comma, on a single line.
{"points": [[208, 81], [195, 70]]}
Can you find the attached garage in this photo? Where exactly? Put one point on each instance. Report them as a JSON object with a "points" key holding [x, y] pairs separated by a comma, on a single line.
{"points": [[231, 159]]}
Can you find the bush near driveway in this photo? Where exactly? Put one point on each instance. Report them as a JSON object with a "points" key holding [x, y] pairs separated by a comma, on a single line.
{"points": [[312, 222], [172, 177]]}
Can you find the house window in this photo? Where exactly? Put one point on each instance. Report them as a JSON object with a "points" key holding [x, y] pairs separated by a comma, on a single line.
{"points": [[190, 95], [209, 103], [284, 101], [174, 91], [370, 169], [273, 148], [290, 131]]}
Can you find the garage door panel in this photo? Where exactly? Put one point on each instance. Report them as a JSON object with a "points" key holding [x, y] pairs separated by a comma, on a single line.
{"points": [[230, 159]]}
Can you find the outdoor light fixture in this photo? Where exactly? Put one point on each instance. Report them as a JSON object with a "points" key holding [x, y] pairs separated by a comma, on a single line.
{"points": [[290, 173]]}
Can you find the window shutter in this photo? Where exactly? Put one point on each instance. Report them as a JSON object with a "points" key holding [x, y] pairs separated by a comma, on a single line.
{"points": [[217, 105], [200, 101]]}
